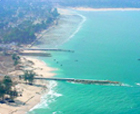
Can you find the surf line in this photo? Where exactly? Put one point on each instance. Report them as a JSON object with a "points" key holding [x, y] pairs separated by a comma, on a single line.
{"points": [[78, 28], [48, 96]]}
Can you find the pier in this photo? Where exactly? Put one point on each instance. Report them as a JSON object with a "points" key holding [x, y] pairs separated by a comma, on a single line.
{"points": [[48, 49], [83, 81], [35, 54]]}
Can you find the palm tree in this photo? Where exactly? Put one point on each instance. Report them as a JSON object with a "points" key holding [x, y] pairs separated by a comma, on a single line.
{"points": [[29, 76], [8, 83], [25, 76], [16, 58], [13, 94], [6, 89], [2, 91]]}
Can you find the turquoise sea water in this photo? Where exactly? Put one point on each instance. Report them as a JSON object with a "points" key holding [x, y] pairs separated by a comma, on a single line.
{"points": [[107, 46]]}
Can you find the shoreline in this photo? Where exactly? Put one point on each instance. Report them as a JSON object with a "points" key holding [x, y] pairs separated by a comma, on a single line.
{"points": [[31, 94], [105, 9], [42, 69]]}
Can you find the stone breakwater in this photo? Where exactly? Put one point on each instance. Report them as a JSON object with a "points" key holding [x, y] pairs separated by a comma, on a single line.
{"points": [[83, 81]]}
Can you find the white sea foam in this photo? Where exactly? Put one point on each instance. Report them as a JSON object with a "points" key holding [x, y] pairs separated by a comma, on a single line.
{"points": [[137, 84], [49, 97], [57, 112], [126, 85]]}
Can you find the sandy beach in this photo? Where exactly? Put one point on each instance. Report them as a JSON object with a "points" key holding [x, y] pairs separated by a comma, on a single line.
{"points": [[106, 9], [31, 94]]}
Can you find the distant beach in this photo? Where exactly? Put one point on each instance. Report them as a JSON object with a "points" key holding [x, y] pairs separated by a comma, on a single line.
{"points": [[105, 9]]}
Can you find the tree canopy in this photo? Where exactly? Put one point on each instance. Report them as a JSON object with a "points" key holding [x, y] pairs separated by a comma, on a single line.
{"points": [[6, 89], [21, 19], [29, 76]]}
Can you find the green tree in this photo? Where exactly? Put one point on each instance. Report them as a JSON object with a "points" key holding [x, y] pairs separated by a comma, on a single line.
{"points": [[16, 58], [55, 13], [13, 94], [2, 91], [6, 89], [7, 83], [29, 76], [25, 76]]}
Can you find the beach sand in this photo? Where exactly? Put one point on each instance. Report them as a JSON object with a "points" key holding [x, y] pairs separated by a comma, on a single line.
{"points": [[31, 94], [105, 9]]}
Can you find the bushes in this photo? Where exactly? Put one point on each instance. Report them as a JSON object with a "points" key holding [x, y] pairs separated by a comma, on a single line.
{"points": [[21, 27]]}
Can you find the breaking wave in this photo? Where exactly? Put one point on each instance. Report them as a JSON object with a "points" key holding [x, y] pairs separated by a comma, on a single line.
{"points": [[49, 97]]}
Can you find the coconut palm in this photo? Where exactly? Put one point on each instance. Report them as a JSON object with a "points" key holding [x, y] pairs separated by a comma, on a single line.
{"points": [[2, 91], [6, 89], [29, 76], [8, 83], [13, 94], [16, 58]]}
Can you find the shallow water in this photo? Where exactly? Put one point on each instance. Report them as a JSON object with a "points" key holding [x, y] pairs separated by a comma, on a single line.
{"points": [[106, 46]]}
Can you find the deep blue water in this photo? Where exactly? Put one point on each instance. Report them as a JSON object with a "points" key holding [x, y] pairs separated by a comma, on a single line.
{"points": [[107, 46]]}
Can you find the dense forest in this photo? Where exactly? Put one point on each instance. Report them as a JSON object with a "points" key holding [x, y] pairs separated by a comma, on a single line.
{"points": [[21, 19], [98, 3]]}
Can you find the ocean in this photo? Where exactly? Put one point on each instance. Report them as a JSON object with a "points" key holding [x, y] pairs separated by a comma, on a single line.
{"points": [[106, 46]]}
